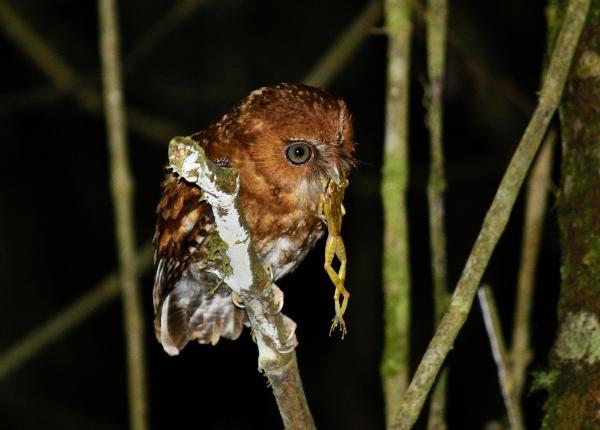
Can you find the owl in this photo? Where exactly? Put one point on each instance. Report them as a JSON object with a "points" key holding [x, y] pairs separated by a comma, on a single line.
{"points": [[286, 141]]}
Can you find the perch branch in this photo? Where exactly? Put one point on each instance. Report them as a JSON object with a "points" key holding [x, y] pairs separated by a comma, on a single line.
{"points": [[122, 192], [496, 218], [274, 332], [437, 16], [494, 331], [535, 209], [396, 267], [344, 47]]}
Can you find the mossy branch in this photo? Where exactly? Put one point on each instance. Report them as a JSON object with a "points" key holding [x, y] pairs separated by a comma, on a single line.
{"points": [[496, 218], [437, 23], [274, 332], [122, 192], [396, 267]]}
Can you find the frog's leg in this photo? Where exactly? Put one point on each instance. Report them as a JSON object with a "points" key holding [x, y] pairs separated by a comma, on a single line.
{"points": [[333, 248], [341, 255]]}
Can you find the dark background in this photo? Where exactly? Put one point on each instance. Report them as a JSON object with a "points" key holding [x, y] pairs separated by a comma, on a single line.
{"points": [[56, 220]]}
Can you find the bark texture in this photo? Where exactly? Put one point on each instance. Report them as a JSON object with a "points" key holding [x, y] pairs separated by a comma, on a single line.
{"points": [[574, 395]]}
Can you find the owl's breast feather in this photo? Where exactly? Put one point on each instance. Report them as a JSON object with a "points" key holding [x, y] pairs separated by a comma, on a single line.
{"points": [[283, 254]]}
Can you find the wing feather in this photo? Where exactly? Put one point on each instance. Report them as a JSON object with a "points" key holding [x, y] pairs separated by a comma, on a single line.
{"points": [[189, 302]]}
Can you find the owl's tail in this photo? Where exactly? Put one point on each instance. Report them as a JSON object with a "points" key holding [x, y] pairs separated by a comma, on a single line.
{"points": [[195, 311]]}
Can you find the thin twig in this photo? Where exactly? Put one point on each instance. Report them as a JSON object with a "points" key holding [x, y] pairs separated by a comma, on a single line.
{"points": [[38, 339], [437, 16], [274, 332], [497, 217], [494, 331], [396, 267], [535, 210], [122, 192], [344, 47]]}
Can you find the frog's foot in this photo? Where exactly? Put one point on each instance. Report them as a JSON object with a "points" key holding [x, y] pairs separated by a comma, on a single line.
{"points": [[338, 322]]}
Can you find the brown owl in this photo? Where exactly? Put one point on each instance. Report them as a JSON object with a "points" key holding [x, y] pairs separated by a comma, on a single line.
{"points": [[285, 141]]}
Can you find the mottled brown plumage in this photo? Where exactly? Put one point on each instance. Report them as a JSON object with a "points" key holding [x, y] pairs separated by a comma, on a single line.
{"points": [[285, 141]]}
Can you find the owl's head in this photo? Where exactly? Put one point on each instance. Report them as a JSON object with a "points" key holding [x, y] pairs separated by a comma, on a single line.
{"points": [[296, 137]]}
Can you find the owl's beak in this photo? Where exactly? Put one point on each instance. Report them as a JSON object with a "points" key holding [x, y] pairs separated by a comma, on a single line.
{"points": [[334, 174]]}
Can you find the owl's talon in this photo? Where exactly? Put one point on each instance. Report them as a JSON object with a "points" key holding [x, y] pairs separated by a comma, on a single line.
{"points": [[269, 271], [278, 298], [237, 300], [291, 342]]}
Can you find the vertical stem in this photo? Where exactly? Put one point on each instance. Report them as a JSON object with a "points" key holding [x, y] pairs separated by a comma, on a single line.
{"points": [[437, 16], [535, 209], [496, 218], [494, 331], [122, 191], [396, 270]]}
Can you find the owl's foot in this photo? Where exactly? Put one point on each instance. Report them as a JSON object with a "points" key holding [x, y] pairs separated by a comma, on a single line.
{"points": [[290, 341], [338, 321], [278, 298], [290, 328], [269, 271], [237, 300]]}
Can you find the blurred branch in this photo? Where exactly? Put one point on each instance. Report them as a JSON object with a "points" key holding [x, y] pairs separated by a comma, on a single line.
{"points": [[437, 23], [535, 209], [396, 267], [476, 68], [122, 192], [179, 11], [344, 47], [496, 218], [64, 78], [494, 331], [83, 308], [36, 49], [274, 332]]}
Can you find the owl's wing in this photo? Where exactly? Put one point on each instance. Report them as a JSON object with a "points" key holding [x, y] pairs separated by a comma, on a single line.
{"points": [[189, 302]]}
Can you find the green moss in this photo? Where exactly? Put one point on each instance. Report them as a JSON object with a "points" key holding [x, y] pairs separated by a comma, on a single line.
{"points": [[543, 380], [217, 251]]}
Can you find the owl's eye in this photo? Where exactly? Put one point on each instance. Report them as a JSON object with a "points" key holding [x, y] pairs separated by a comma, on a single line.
{"points": [[298, 153]]}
